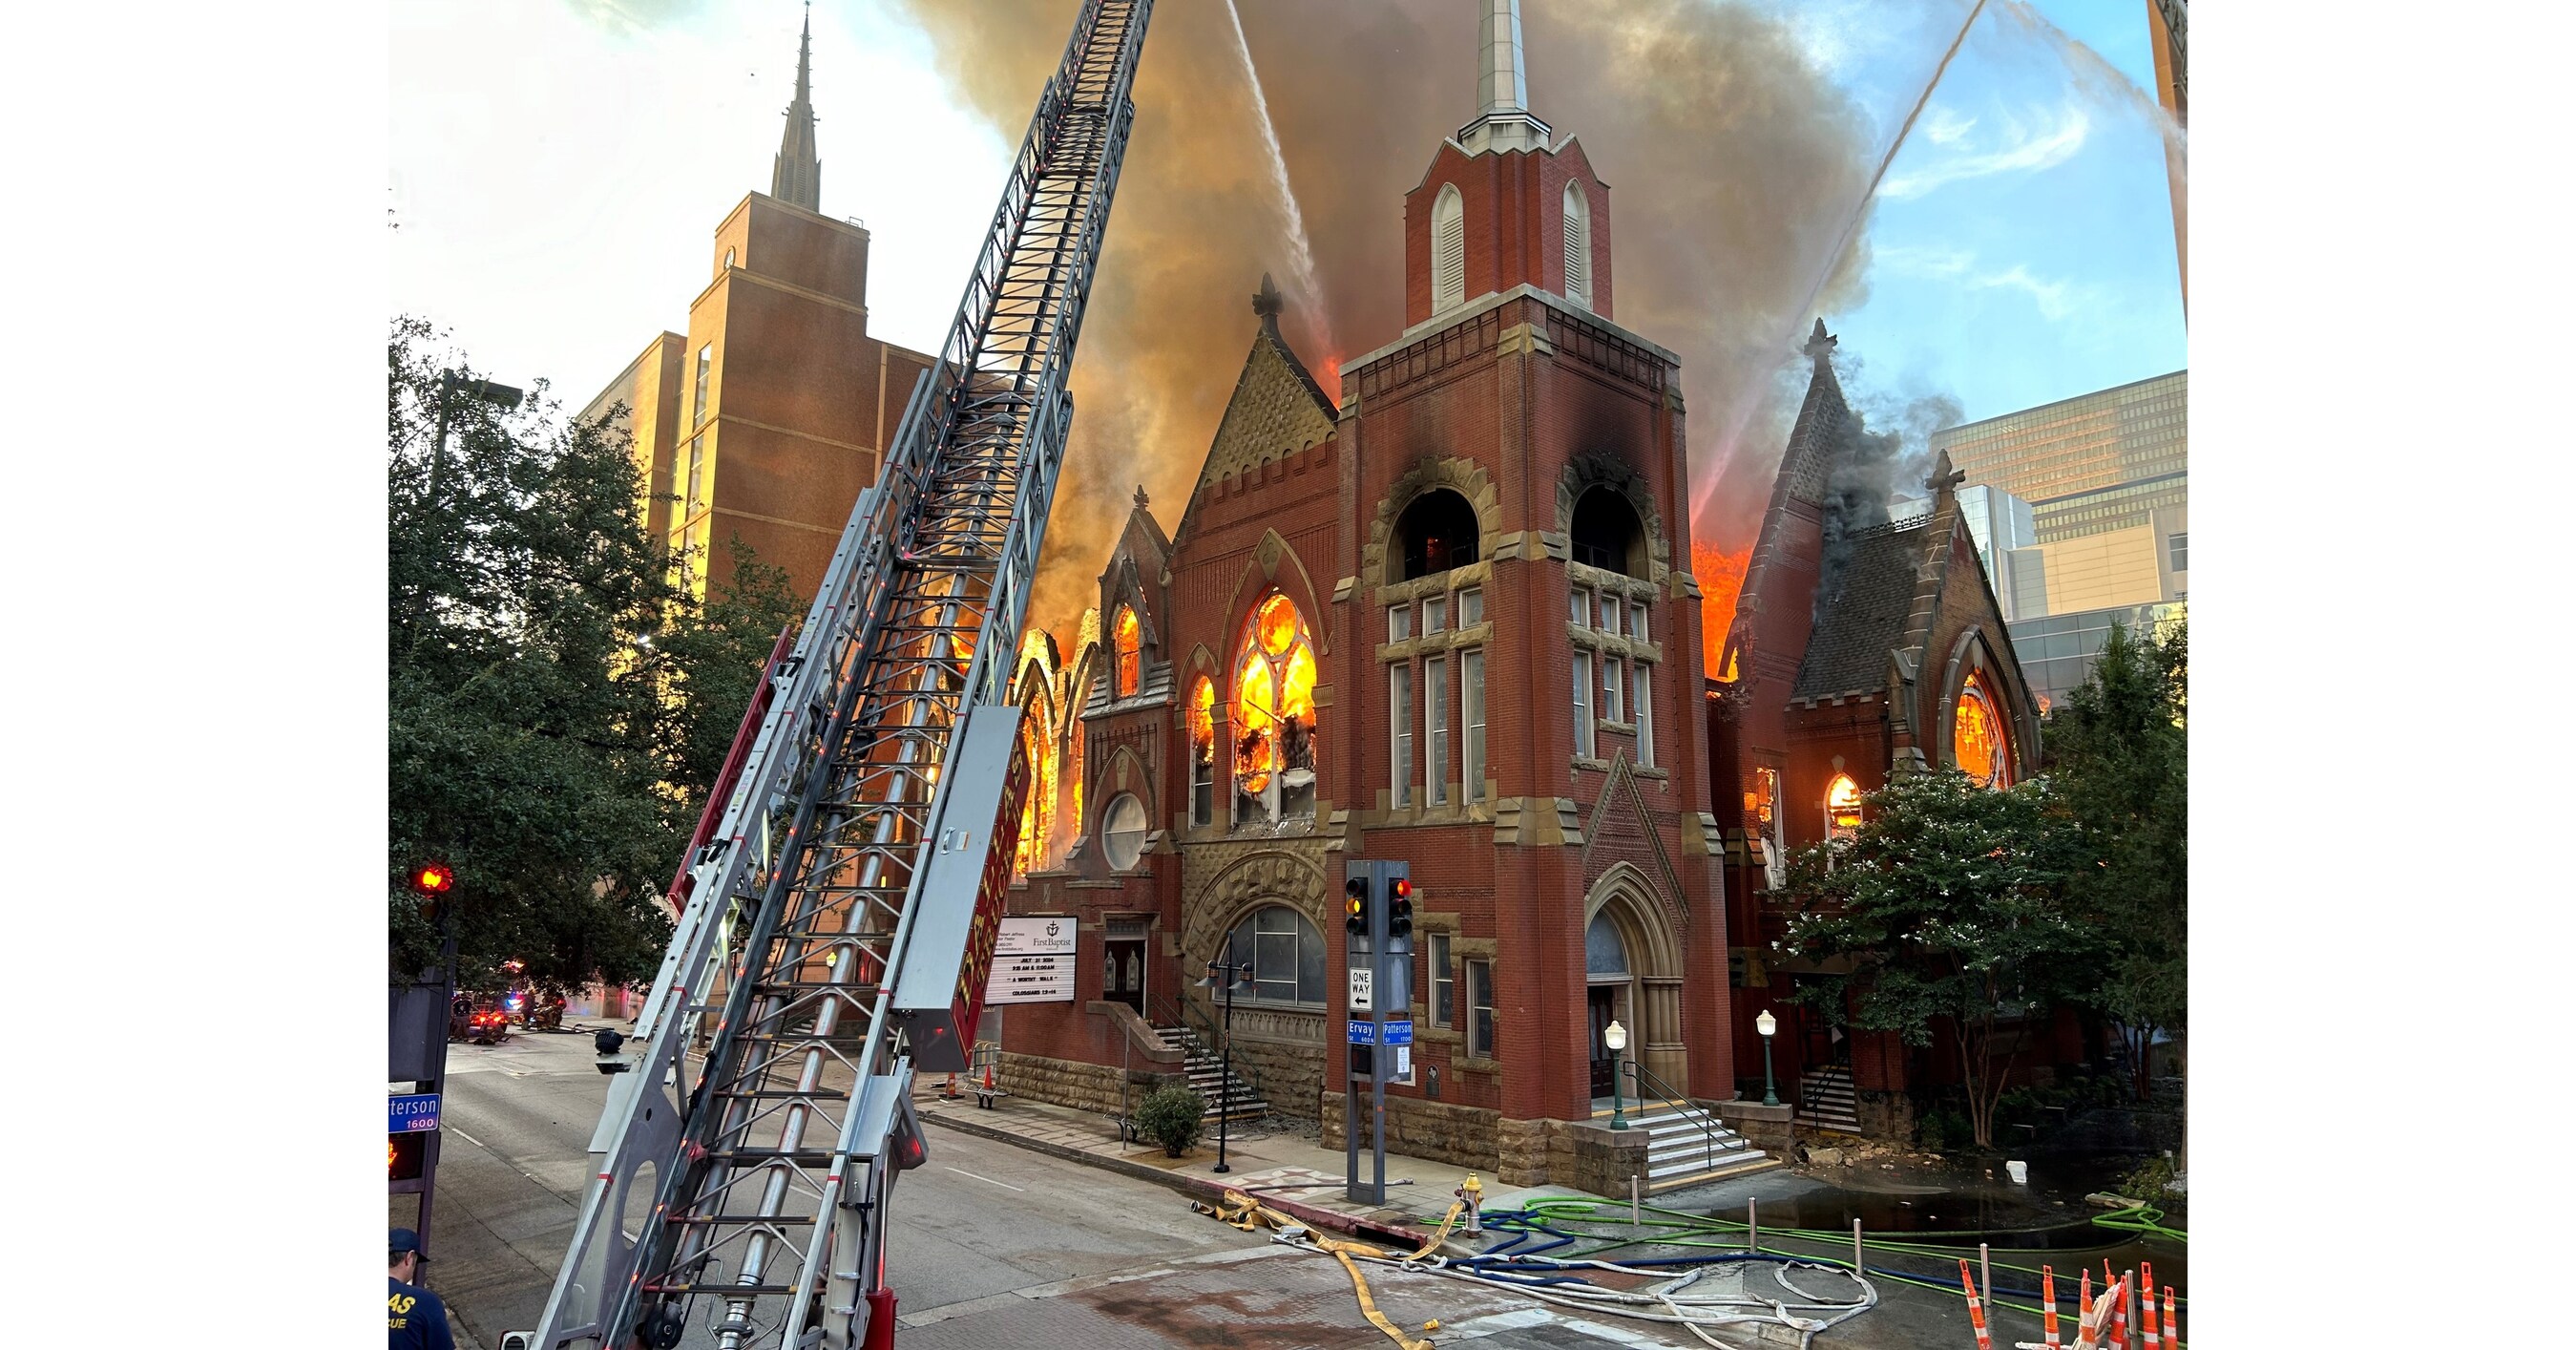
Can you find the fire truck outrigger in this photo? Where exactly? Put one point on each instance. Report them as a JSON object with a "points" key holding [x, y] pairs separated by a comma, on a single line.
{"points": [[837, 918]]}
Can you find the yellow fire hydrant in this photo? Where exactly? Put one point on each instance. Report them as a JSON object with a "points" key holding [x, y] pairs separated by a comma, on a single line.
{"points": [[1471, 1193]]}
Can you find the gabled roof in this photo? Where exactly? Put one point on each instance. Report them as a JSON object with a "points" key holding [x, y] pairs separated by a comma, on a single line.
{"points": [[1864, 619], [1277, 408]]}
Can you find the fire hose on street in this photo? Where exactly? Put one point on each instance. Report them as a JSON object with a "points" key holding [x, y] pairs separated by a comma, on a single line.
{"points": [[1556, 1281]]}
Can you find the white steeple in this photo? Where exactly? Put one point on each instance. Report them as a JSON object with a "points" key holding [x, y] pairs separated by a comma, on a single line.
{"points": [[1502, 86]]}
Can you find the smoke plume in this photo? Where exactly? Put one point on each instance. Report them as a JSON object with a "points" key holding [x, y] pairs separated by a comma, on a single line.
{"points": [[1734, 166], [1870, 468]]}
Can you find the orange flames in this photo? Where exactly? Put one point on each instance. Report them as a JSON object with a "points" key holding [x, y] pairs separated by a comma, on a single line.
{"points": [[1329, 375], [1721, 582]]}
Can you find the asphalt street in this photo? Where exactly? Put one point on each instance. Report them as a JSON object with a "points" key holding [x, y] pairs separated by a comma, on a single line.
{"points": [[993, 1245]]}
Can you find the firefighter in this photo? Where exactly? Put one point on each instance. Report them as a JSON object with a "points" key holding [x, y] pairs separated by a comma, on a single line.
{"points": [[415, 1319]]}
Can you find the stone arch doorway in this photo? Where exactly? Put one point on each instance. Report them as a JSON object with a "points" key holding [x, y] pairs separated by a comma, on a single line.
{"points": [[1633, 973]]}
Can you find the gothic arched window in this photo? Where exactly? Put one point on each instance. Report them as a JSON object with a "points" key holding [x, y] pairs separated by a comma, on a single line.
{"points": [[1977, 736], [1842, 808], [1285, 953], [1274, 717], [1129, 638], [1578, 246], [1448, 250]]}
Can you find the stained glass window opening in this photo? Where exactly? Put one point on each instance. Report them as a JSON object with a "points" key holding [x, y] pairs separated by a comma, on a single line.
{"points": [[1274, 717], [1603, 951], [1128, 638], [1842, 808], [1285, 952]]}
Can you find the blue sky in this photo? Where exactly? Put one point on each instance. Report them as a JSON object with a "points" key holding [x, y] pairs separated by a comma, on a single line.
{"points": [[2022, 242], [2022, 246]]}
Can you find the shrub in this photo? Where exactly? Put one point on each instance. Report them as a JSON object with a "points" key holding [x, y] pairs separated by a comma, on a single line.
{"points": [[1172, 1117], [1944, 1129]]}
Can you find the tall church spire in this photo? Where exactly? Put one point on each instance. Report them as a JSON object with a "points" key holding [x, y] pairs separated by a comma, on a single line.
{"points": [[798, 177], [1503, 121]]}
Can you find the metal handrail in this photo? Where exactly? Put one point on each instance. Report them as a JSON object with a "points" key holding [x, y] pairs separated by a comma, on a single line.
{"points": [[1193, 1018], [1709, 1125]]}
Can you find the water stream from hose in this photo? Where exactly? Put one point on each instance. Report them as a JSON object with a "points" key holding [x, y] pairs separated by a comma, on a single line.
{"points": [[1301, 260], [1800, 317]]}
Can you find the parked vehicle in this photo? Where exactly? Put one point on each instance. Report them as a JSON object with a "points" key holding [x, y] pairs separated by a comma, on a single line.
{"points": [[479, 1018]]}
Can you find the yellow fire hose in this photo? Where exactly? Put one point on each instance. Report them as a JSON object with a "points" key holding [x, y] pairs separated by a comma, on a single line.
{"points": [[1246, 1213]]}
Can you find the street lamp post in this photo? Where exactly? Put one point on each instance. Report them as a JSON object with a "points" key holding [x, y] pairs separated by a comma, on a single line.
{"points": [[1615, 1036], [1234, 975], [1766, 1024]]}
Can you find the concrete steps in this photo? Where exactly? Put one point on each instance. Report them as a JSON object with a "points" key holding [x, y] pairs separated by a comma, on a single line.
{"points": [[1690, 1149], [1826, 1099], [1209, 1077]]}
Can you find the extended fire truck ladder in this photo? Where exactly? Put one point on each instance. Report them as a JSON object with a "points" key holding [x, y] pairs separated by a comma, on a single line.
{"points": [[844, 909]]}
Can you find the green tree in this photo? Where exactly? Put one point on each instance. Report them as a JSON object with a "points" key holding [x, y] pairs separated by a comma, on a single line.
{"points": [[1948, 911], [715, 653], [2120, 760], [528, 738]]}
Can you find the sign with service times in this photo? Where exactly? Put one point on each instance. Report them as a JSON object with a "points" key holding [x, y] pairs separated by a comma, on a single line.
{"points": [[1033, 961]]}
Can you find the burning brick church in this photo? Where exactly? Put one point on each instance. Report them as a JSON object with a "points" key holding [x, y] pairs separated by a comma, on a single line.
{"points": [[1450, 621]]}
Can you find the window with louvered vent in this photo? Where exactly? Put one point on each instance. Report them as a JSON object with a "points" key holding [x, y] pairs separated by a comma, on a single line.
{"points": [[1448, 251], [1578, 246]]}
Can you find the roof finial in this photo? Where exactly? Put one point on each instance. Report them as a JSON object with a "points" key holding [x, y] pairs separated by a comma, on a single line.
{"points": [[1820, 344], [1267, 302], [1142, 501], [798, 175]]}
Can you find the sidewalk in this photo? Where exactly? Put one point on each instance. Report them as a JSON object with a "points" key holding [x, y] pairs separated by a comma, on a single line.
{"points": [[1288, 1173]]}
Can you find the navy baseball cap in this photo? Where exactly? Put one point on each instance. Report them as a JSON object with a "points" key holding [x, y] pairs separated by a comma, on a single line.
{"points": [[404, 1240]]}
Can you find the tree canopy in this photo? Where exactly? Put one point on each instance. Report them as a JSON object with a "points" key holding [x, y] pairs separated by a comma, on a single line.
{"points": [[556, 708], [1949, 911], [2119, 755]]}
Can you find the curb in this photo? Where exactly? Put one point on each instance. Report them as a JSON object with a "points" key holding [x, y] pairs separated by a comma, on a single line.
{"points": [[1207, 1188]]}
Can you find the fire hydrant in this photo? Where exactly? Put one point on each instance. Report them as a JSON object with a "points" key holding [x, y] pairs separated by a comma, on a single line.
{"points": [[1472, 1194]]}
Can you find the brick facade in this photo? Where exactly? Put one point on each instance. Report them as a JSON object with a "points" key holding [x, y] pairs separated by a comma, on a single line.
{"points": [[1863, 685], [1509, 453]]}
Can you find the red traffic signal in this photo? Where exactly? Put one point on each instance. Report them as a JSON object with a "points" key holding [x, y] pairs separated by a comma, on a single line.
{"points": [[433, 878], [1400, 888]]}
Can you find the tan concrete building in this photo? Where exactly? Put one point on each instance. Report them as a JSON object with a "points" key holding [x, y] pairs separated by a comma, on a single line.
{"points": [[769, 417]]}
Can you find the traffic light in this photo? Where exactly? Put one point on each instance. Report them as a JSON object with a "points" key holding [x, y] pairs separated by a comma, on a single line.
{"points": [[1399, 908], [405, 1153], [433, 879], [1355, 894]]}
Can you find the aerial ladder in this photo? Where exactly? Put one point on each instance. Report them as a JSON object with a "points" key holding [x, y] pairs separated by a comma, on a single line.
{"points": [[838, 920]]}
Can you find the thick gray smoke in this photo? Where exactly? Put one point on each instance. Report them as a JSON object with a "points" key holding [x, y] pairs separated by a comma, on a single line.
{"points": [[1870, 469], [1733, 162]]}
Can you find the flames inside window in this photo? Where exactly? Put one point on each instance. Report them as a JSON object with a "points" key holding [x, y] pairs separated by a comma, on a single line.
{"points": [[1274, 717], [1842, 808], [1976, 736], [1202, 710], [1129, 637]]}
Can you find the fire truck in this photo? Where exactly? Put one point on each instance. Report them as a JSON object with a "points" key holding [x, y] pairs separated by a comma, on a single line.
{"points": [[838, 906]]}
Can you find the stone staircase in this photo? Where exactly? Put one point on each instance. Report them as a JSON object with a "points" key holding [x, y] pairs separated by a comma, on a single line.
{"points": [[1689, 1147], [1209, 1078], [1826, 1099]]}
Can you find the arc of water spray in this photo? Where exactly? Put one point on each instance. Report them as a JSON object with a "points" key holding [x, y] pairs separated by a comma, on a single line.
{"points": [[1851, 225], [1301, 261]]}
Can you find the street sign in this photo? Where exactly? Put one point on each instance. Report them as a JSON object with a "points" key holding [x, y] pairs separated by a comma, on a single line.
{"points": [[405, 1114], [1363, 1033], [1361, 983], [1398, 1033]]}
